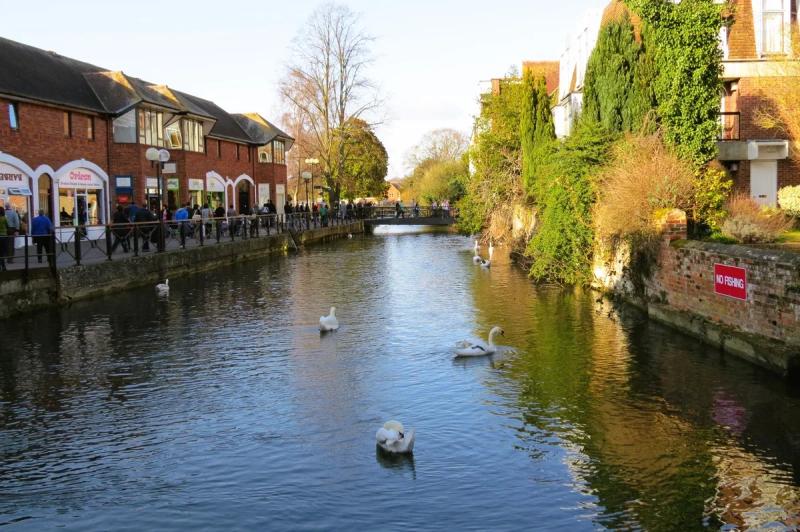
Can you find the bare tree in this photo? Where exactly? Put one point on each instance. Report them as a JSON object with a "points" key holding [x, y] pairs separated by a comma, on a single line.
{"points": [[437, 145], [326, 81]]}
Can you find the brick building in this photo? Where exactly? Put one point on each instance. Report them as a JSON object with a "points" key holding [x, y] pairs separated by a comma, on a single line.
{"points": [[73, 138], [758, 66]]}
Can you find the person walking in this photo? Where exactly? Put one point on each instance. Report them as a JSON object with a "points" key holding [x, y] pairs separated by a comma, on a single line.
{"points": [[120, 230], [12, 219], [41, 229], [205, 218], [323, 214]]}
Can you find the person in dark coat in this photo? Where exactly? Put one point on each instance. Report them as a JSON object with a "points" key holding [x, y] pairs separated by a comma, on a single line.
{"points": [[41, 229], [121, 230]]}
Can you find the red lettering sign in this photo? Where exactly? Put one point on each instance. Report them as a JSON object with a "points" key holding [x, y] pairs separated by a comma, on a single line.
{"points": [[730, 281]]}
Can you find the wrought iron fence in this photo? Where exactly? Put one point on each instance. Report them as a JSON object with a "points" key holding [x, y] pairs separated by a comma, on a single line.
{"points": [[68, 246]]}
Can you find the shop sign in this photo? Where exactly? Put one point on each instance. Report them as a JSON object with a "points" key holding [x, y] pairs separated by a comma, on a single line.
{"points": [[213, 185], [169, 168], [151, 182], [11, 177], [173, 183], [195, 184], [81, 178], [124, 181], [730, 281]]}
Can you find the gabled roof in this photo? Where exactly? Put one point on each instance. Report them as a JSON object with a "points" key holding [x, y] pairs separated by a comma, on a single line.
{"points": [[261, 130], [225, 126], [37, 74]]}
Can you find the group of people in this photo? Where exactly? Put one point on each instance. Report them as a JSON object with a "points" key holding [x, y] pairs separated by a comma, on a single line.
{"points": [[12, 225], [440, 209]]}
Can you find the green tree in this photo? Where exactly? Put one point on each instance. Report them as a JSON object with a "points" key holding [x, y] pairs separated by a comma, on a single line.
{"points": [[688, 61], [366, 162], [536, 128], [618, 86]]}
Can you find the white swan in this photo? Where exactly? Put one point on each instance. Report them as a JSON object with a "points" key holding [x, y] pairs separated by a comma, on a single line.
{"points": [[469, 349], [329, 322], [486, 263], [163, 288], [393, 438], [476, 258]]}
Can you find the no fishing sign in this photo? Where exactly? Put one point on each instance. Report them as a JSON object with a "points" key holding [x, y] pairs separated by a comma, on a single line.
{"points": [[730, 281]]}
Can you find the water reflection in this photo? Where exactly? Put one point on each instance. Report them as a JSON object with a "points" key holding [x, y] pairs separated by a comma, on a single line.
{"points": [[223, 406]]}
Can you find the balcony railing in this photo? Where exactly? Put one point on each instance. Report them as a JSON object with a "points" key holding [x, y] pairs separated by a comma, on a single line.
{"points": [[729, 126]]}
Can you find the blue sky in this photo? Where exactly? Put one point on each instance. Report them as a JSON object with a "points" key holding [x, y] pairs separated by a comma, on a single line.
{"points": [[430, 56]]}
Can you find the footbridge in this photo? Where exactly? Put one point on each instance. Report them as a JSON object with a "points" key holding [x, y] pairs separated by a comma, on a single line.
{"points": [[410, 216]]}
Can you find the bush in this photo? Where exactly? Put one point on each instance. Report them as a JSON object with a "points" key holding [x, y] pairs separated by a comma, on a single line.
{"points": [[712, 189], [643, 177], [750, 223], [789, 200]]}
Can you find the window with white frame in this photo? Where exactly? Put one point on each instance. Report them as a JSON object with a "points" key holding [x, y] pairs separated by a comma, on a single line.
{"points": [[151, 127], [173, 136], [279, 152], [193, 136], [265, 154], [773, 27], [124, 127]]}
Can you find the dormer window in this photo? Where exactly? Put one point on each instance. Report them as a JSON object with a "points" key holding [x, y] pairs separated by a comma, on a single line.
{"points": [[773, 27], [279, 152], [193, 136], [173, 136], [265, 154]]}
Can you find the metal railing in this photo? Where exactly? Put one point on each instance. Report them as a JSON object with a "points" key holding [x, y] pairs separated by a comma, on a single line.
{"points": [[729, 125], [76, 245], [413, 212]]}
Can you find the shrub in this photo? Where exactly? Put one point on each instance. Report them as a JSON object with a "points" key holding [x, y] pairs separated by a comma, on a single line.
{"points": [[712, 188], [750, 223], [643, 177], [789, 200]]}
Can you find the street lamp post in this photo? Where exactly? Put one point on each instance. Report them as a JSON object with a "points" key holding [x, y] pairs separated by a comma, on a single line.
{"points": [[154, 155], [311, 162]]}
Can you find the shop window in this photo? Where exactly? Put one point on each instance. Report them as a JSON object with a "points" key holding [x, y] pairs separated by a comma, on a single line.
{"points": [[173, 136], [13, 116], [279, 152], [151, 127], [67, 123], [265, 154], [90, 127], [773, 27], [124, 127]]}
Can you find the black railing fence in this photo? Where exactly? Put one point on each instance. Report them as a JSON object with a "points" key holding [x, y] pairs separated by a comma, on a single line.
{"points": [[68, 246]]}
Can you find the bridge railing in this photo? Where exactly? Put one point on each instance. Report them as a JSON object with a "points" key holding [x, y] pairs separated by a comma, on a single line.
{"points": [[390, 211], [76, 245]]}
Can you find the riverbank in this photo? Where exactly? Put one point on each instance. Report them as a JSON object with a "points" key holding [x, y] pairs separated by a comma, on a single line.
{"points": [[42, 288], [744, 301]]}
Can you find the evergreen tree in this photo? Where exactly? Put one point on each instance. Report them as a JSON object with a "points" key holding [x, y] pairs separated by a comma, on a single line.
{"points": [[536, 129], [618, 87]]}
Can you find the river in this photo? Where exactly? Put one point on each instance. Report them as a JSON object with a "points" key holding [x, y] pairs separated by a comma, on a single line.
{"points": [[222, 407]]}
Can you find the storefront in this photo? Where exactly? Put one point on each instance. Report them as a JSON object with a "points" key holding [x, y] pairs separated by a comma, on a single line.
{"points": [[173, 193], [81, 198], [15, 190], [196, 191], [263, 194], [151, 194], [215, 193]]}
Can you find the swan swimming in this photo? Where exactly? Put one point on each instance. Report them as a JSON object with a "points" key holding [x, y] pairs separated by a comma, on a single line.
{"points": [[163, 288], [392, 438], [329, 322], [486, 263], [469, 349], [476, 258]]}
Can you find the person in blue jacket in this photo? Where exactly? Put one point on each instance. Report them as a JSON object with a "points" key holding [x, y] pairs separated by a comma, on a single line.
{"points": [[41, 229]]}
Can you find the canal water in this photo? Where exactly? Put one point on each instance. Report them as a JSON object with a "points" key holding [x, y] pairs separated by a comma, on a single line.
{"points": [[222, 407]]}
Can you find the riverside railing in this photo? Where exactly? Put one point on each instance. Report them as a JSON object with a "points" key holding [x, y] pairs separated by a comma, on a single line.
{"points": [[413, 212], [76, 245]]}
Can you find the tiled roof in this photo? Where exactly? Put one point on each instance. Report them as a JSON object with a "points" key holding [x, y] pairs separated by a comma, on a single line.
{"points": [[36, 74], [261, 130], [548, 69], [45, 76]]}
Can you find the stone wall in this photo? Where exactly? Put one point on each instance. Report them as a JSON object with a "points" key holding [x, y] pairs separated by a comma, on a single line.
{"points": [[678, 288], [81, 282]]}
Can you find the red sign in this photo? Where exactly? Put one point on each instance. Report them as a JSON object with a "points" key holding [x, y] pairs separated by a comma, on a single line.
{"points": [[730, 281]]}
